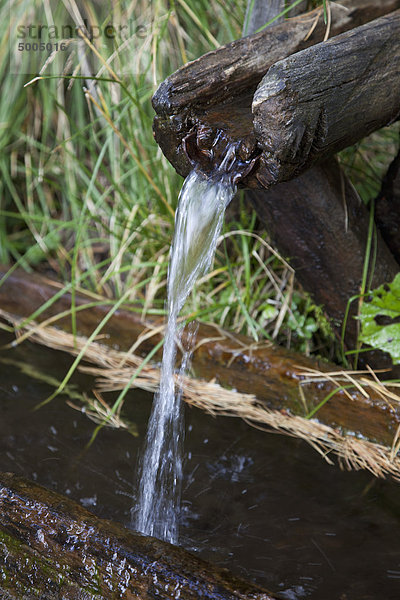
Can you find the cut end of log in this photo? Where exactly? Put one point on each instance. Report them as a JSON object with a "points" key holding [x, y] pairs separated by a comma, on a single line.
{"points": [[325, 98]]}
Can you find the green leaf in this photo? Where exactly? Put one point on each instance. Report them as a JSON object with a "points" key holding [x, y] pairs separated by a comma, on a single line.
{"points": [[380, 319], [269, 312]]}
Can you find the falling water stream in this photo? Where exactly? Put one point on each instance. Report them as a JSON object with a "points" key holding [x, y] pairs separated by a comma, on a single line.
{"points": [[198, 222]]}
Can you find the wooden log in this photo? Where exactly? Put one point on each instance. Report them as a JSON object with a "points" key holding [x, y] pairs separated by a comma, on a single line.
{"points": [[387, 208], [276, 374], [323, 99], [212, 95], [196, 97], [320, 223], [52, 548]]}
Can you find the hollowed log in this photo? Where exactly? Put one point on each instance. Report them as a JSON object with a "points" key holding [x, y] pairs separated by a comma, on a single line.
{"points": [[211, 97], [276, 374], [316, 220], [52, 548]]}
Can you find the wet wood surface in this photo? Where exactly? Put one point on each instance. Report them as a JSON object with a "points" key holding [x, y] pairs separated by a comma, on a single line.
{"points": [[273, 374], [52, 548], [324, 99], [212, 95]]}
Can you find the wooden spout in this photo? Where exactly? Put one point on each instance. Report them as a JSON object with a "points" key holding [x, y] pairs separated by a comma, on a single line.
{"points": [[211, 98]]}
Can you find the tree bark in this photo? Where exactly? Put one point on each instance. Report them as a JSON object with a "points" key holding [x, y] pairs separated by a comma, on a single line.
{"points": [[319, 101], [319, 222], [53, 548]]}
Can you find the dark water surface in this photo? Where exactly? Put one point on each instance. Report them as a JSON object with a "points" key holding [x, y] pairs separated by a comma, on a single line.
{"points": [[265, 506]]}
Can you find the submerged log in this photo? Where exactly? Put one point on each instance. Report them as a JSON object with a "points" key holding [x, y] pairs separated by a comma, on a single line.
{"points": [[387, 208], [319, 101], [278, 379], [211, 97], [52, 548]]}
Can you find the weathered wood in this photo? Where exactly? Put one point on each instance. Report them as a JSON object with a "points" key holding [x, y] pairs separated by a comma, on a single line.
{"points": [[212, 95], [323, 99], [319, 222], [387, 208], [195, 97], [232, 360], [52, 548]]}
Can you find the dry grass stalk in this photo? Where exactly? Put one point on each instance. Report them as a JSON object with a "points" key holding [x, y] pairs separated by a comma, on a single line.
{"points": [[364, 385], [113, 370]]}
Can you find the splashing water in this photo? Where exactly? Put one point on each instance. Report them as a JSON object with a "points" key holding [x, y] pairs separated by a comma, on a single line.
{"points": [[198, 223]]}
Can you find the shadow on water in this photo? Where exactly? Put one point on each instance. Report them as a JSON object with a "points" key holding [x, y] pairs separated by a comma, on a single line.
{"points": [[265, 506]]}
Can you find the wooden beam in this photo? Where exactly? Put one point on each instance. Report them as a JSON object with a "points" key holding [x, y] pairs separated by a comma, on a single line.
{"points": [[195, 98], [323, 99], [52, 548]]}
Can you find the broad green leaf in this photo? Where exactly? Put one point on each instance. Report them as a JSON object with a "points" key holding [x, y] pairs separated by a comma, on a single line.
{"points": [[380, 319]]}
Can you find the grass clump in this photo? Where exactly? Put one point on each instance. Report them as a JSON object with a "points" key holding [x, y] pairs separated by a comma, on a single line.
{"points": [[86, 194]]}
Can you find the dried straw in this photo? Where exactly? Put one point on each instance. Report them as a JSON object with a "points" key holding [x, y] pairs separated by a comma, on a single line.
{"points": [[113, 370]]}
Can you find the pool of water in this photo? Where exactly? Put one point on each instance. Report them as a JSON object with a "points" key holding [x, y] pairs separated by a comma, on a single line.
{"points": [[263, 505]]}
